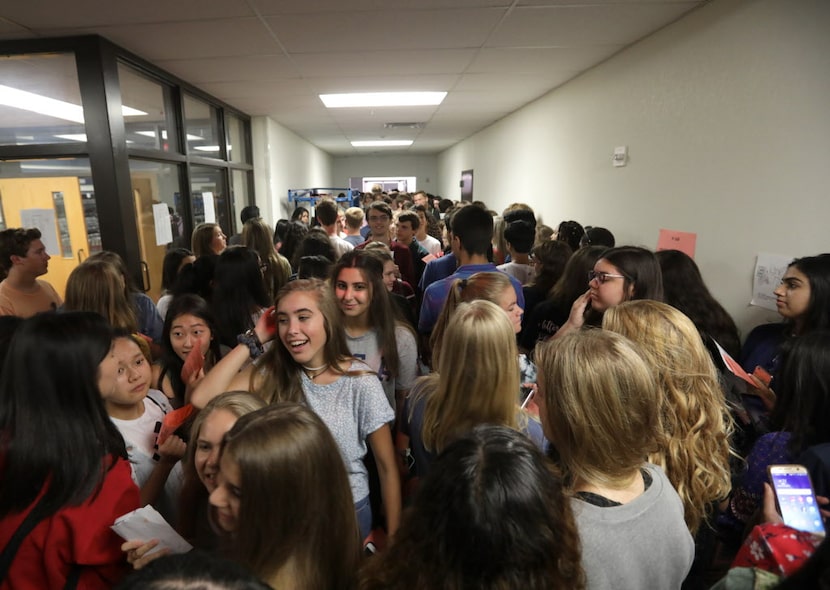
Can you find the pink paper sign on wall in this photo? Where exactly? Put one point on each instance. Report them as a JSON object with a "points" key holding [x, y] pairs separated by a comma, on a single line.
{"points": [[677, 240]]}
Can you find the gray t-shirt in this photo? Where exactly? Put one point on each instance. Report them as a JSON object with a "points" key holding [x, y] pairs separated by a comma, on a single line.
{"points": [[365, 348], [352, 408], [641, 544]]}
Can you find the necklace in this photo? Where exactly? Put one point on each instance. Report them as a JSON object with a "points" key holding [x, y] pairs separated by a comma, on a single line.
{"points": [[316, 370]]}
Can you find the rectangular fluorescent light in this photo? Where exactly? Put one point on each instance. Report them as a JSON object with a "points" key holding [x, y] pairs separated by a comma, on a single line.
{"points": [[29, 101], [152, 134], [73, 136], [383, 143], [207, 148], [382, 99]]}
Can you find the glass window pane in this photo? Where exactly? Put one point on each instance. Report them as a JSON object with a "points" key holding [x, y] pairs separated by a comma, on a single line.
{"points": [[210, 202], [40, 100], [159, 215], [237, 144], [146, 119], [202, 125], [57, 197], [240, 191]]}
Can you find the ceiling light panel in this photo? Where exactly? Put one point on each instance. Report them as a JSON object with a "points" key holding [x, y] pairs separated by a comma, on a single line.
{"points": [[382, 99]]}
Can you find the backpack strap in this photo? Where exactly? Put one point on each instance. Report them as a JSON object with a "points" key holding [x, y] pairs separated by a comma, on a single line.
{"points": [[36, 515]]}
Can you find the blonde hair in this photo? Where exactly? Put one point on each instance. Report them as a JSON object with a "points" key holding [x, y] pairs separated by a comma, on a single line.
{"points": [[489, 286], [476, 379], [97, 285], [694, 417], [601, 405]]}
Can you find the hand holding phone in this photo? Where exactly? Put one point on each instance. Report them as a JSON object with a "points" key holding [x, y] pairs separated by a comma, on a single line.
{"points": [[796, 499]]}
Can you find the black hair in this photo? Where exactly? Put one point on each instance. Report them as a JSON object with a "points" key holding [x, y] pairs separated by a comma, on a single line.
{"points": [[817, 270], [195, 570], [172, 364], [597, 236], [684, 289], [314, 267], [521, 214], [249, 212], [298, 213], [640, 268], [56, 433], [552, 257], [316, 243], [8, 327], [570, 232], [802, 388], [15, 242], [473, 226], [170, 267], [197, 278], [238, 292], [294, 236], [280, 229], [519, 234]]}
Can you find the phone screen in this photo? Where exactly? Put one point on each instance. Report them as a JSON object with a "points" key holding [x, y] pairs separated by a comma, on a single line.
{"points": [[797, 501]]}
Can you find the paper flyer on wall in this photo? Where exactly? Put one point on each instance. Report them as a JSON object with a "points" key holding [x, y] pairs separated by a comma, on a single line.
{"points": [[44, 220], [769, 268], [162, 223]]}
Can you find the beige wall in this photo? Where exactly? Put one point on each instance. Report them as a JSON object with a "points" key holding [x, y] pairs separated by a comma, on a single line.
{"points": [[726, 114]]}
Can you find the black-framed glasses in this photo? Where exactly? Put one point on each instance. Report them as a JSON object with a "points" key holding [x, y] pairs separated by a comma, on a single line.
{"points": [[602, 277]]}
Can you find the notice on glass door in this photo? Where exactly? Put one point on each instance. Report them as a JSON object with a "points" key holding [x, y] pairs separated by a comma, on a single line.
{"points": [[210, 212], [44, 220], [163, 224]]}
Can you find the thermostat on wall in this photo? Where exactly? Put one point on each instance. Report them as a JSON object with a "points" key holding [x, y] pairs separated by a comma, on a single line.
{"points": [[621, 155]]}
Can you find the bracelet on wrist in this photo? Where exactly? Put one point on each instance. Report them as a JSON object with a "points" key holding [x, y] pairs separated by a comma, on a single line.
{"points": [[251, 340]]}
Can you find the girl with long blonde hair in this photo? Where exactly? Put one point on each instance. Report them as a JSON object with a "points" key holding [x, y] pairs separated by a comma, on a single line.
{"points": [[475, 384], [693, 417]]}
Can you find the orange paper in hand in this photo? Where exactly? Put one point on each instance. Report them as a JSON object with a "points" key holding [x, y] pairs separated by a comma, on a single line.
{"points": [[193, 363], [173, 421]]}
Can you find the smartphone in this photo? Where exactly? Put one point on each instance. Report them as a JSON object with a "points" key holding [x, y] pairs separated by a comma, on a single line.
{"points": [[796, 498]]}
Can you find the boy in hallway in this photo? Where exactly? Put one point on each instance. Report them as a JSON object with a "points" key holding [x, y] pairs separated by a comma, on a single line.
{"points": [[23, 258]]}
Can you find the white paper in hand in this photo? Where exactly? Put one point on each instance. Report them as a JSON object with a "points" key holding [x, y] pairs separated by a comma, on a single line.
{"points": [[145, 524]]}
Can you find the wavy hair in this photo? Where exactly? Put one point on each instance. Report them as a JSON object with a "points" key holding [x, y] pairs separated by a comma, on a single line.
{"points": [[280, 377], [601, 405], [491, 514], [297, 522], [463, 394], [694, 418]]}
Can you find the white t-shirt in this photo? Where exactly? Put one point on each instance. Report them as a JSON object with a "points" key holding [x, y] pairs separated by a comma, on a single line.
{"points": [[140, 439], [431, 245]]}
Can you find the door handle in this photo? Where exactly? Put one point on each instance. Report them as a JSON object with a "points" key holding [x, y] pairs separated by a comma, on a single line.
{"points": [[145, 276], [81, 251]]}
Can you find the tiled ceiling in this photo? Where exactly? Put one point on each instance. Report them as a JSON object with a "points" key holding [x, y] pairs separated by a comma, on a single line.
{"points": [[273, 57]]}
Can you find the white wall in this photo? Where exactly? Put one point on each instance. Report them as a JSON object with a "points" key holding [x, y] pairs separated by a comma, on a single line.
{"points": [[283, 161], [424, 168], [726, 114]]}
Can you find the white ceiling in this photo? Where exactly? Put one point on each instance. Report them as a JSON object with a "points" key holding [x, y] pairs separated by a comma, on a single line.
{"points": [[273, 57]]}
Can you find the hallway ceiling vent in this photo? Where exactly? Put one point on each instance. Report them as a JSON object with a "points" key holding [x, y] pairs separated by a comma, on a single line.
{"points": [[411, 125]]}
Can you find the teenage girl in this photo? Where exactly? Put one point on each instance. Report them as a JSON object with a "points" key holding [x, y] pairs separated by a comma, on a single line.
{"points": [[373, 334], [310, 363]]}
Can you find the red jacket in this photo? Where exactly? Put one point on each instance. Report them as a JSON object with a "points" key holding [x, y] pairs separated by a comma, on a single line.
{"points": [[74, 535]]}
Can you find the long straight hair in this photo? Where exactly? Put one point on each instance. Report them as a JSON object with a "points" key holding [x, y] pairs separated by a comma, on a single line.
{"points": [[55, 430], [97, 285], [296, 517], [381, 313], [464, 393]]}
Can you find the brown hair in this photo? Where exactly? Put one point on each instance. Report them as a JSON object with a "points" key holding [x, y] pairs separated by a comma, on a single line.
{"points": [[97, 285]]}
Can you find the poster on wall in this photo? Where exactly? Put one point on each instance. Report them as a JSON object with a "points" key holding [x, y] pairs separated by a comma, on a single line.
{"points": [[162, 223], [670, 239], [769, 268], [44, 220], [207, 203]]}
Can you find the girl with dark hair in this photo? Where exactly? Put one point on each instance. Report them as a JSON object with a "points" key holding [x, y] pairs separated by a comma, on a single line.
{"points": [[373, 333], [174, 261], [301, 215], [621, 274], [280, 230], [685, 290], [294, 236], [799, 420], [239, 295], [571, 233], [549, 260], [66, 473], [284, 502], [550, 315], [803, 300], [310, 362], [189, 323], [491, 514]]}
